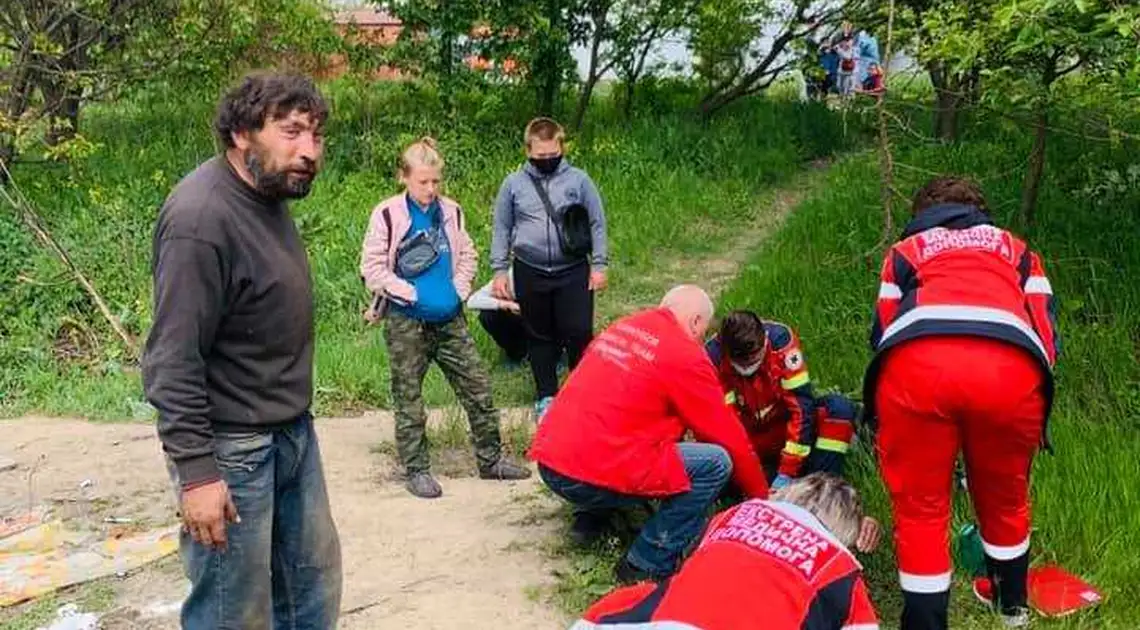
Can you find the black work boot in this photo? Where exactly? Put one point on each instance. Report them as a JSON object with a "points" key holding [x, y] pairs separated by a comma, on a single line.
{"points": [[1009, 579], [589, 527], [625, 572], [925, 611], [504, 470], [423, 485]]}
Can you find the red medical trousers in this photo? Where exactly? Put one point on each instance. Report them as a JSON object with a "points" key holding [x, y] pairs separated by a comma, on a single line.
{"points": [[934, 396]]}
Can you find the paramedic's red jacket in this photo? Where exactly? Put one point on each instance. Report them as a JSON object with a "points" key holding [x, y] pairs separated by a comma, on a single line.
{"points": [[762, 564], [954, 273], [616, 422], [775, 405]]}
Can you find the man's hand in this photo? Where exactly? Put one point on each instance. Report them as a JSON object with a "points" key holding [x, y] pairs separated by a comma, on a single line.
{"points": [[869, 533], [597, 280], [509, 306], [501, 286], [205, 512]]}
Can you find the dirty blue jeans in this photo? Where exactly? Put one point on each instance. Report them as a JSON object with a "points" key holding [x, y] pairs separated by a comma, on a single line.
{"points": [[679, 520], [282, 566]]}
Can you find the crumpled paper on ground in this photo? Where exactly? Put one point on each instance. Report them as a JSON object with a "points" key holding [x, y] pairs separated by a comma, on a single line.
{"points": [[50, 556]]}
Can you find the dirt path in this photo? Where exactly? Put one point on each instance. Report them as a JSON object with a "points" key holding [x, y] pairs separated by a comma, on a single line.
{"points": [[715, 272], [469, 559], [472, 559]]}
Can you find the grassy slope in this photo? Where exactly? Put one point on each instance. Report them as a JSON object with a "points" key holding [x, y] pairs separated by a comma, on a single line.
{"points": [[1086, 500], [816, 274], [672, 186]]}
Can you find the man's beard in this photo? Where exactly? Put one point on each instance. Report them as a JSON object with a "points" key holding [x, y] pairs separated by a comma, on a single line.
{"points": [[280, 184]]}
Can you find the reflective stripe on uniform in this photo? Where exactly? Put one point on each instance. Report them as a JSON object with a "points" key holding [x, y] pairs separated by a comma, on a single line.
{"points": [[963, 314], [798, 380], [913, 583], [1038, 284], [890, 290], [999, 552], [835, 446], [794, 448]]}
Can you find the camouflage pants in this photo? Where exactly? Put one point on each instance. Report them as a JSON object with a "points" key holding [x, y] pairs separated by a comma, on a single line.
{"points": [[412, 346]]}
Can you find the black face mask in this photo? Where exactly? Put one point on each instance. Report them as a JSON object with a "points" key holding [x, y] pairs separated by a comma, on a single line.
{"points": [[546, 166]]}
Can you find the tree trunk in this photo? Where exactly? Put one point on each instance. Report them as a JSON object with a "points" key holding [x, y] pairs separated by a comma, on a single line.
{"points": [[1032, 184], [548, 70], [630, 94], [592, 75], [64, 123], [633, 75], [446, 57], [947, 102]]}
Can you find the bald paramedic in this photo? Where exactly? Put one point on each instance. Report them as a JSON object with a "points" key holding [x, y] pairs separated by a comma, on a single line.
{"points": [[613, 435]]}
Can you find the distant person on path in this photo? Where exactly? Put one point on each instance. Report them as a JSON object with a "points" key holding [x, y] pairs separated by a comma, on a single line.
{"points": [[845, 49], [965, 341], [502, 319], [555, 287], [418, 261], [612, 437], [873, 85], [766, 383], [229, 367], [781, 564]]}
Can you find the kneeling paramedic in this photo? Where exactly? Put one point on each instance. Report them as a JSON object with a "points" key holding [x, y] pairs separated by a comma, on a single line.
{"points": [[612, 436], [766, 382], [782, 564], [965, 341]]}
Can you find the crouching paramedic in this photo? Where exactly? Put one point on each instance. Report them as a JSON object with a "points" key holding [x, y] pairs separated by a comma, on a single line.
{"points": [[782, 564], [965, 342], [766, 382], [612, 436]]}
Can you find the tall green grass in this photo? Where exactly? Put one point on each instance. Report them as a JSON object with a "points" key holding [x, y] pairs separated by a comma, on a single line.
{"points": [[816, 276], [672, 185]]}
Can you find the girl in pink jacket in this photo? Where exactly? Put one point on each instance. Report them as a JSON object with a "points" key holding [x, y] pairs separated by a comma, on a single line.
{"points": [[418, 261]]}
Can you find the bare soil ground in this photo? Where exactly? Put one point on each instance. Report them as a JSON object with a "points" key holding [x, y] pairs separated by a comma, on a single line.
{"points": [[471, 559]]}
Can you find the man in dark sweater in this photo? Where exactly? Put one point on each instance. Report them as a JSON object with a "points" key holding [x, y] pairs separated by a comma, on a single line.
{"points": [[229, 366]]}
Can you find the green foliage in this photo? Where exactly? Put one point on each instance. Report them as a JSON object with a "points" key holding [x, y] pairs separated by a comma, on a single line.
{"points": [[63, 55], [672, 185], [814, 275]]}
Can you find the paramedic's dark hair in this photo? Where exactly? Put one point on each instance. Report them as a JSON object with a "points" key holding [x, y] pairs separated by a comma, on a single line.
{"points": [[949, 190], [742, 334], [264, 96]]}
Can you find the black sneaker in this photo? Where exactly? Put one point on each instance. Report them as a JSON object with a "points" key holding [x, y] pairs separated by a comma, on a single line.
{"points": [[589, 527], [423, 485], [626, 573], [505, 470]]}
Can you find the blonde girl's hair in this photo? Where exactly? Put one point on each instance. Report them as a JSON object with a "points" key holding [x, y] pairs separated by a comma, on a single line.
{"points": [[422, 152], [831, 500]]}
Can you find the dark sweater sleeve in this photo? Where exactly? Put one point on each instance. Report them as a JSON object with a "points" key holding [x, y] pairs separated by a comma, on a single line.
{"points": [[189, 292]]}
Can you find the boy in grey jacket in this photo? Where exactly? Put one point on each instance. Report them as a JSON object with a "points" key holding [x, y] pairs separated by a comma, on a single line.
{"points": [[554, 289]]}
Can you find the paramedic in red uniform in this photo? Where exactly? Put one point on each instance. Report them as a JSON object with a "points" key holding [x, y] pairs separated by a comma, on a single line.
{"points": [[612, 436], [782, 564], [766, 382], [965, 342]]}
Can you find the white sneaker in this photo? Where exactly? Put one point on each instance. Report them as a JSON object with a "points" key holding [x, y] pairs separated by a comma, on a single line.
{"points": [[1019, 619]]}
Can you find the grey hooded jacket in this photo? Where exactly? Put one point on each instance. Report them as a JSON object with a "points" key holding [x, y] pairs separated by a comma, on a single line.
{"points": [[522, 226]]}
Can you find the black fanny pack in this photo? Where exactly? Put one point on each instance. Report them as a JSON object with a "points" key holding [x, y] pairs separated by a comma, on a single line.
{"points": [[417, 254], [572, 226]]}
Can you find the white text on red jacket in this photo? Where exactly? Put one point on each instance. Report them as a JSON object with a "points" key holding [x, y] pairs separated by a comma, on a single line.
{"points": [[985, 238], [767, 531], [622, 342]]}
